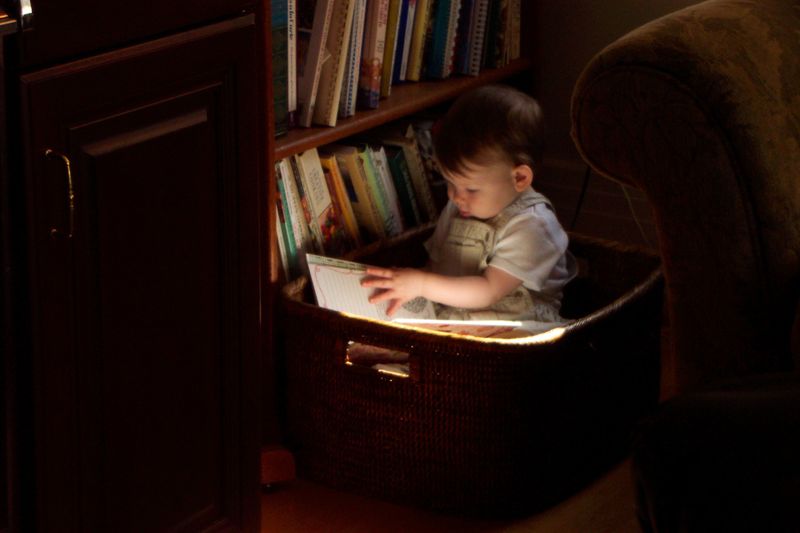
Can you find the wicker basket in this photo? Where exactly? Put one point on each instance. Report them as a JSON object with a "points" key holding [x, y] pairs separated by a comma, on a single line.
{"points": [[481, 426]]}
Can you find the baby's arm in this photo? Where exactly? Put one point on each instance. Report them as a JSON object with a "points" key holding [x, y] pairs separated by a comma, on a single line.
{"points": [[400, 285]]}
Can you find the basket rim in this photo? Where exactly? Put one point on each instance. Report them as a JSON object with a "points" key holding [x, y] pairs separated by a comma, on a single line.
{"points": [[291, 295]]}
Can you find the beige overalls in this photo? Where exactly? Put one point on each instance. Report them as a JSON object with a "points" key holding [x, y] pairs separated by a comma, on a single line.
{"points": [[466, 250]]}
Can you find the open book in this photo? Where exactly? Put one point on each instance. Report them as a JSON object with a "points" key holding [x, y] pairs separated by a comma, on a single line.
{"points": [[337, 286]]}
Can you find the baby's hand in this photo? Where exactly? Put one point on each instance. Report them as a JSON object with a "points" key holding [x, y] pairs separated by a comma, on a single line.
{"points": [[398, 285]]}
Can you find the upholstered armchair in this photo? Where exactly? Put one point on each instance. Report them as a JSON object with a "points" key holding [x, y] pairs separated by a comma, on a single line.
{"points": [[700, 109]]}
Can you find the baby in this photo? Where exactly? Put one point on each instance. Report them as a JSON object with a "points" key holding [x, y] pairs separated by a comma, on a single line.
{"points": [[498, 250]]}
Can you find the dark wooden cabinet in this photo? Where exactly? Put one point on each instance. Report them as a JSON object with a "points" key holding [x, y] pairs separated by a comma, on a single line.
{"points": [[61, 30], [136, 364]]}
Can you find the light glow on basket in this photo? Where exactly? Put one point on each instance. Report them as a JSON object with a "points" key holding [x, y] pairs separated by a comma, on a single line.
{"points": [[551, 335]]}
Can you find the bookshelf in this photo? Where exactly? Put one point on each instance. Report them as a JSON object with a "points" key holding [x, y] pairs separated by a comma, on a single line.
{"points": [[406, 99]]}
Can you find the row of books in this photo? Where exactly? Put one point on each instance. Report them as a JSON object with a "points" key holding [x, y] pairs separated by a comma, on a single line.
{"points": [[331, 57], [336, 198]]}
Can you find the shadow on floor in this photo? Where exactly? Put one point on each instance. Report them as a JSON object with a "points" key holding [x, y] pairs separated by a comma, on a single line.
{"points": [[605, 506]]}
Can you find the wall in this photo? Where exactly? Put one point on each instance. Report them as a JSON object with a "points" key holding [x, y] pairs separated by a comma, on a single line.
{"points": [[565, 36]]}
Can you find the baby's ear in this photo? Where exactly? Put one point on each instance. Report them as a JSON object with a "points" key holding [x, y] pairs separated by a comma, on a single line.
{"points": [[523, 177]]}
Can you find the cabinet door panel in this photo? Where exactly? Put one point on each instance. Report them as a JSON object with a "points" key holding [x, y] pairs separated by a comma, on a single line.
{"points": [[146, 333], [63, 30]]}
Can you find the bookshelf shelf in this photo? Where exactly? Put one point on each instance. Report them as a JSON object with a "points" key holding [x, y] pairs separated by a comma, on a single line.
{"points": [[406, 99]]}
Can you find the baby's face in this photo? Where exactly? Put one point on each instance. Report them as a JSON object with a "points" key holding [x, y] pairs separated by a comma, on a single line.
{"points": [[482, 191]]}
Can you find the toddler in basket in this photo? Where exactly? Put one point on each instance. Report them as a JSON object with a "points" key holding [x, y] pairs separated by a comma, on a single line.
{"points": [[498, 250]]}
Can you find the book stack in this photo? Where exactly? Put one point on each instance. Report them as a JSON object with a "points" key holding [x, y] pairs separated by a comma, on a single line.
{"points": [[336, 198], [333, 57]]}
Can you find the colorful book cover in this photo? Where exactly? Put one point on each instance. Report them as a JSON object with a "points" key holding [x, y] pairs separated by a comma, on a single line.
{"points": [[370, 221], [280, 67], [341, 196], [390, 48], [369, 81], [326, 222], [332, 74], [347, 101], [312, 33]]}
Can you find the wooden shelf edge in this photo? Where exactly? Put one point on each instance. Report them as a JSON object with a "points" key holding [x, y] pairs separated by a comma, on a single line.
{"points": [[406, 98]]}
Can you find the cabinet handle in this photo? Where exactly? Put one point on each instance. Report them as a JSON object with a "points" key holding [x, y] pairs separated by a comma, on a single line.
{"points": [[55, 232]]}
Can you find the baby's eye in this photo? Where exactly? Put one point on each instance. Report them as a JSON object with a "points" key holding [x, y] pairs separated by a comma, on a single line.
{"points": [[472, 191]]}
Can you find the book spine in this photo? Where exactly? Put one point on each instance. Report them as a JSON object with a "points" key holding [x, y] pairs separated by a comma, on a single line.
{"points": [[300, 231], [369, 82], [436, 52], [515, 16], [401, 37], [478, 34], [412, 13], [330, 83], [390, 48], [285, 221], [280, 70], [367, 214], [416, 54], [376, 191], [452, 32], [402, 183], [281, 239], [419, 174], [461, 54], [385, 179], [291, 48], [487, 60], [314, 235], [312, 63], [499, 42], [505, 48], [347, 102]]}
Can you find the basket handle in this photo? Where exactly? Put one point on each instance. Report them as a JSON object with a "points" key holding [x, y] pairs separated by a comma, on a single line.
{"points": [[384, 361]]}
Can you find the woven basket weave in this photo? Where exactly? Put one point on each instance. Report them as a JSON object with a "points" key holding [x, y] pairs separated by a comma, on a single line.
{"points": [[481, 426]]}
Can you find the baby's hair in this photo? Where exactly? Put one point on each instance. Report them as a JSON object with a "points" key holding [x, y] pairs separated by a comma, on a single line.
{"points": [[487, 122]]}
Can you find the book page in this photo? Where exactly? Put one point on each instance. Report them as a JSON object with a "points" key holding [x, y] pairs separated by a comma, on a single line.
{"points": [[337, 286]]}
